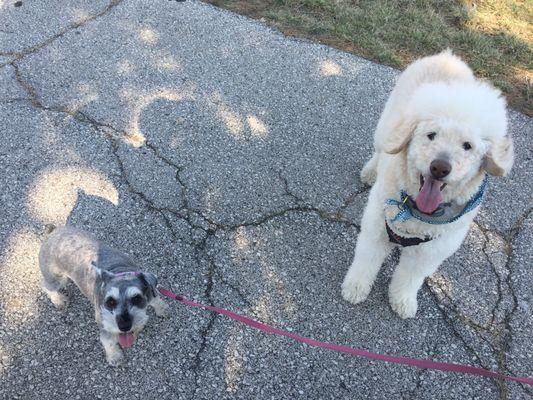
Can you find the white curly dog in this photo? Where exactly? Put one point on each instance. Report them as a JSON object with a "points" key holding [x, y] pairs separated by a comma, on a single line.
{"points": [[441, 132]]}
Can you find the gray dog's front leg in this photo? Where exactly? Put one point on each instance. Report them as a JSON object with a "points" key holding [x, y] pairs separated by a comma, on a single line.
{"points": [[113, 352]]}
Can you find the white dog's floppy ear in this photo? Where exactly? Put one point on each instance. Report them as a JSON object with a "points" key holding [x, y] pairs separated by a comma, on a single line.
{"points": [[398, 136], [500, 157]]}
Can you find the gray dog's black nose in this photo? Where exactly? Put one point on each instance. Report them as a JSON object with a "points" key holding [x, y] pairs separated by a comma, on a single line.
{"points": [[124, 322], [439, 168]]}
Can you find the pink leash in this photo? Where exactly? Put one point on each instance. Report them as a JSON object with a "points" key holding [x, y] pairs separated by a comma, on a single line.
{"points": [[441, 366]]}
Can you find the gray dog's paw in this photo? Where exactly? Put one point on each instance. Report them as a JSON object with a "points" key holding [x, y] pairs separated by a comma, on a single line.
{"points": [[115, 358], [160, 307], [59, 300]]}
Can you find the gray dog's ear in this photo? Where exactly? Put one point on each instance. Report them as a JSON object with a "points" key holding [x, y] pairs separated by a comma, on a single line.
{"points": [[151, 283], [102, 273], [391, 138], [500, 157]]}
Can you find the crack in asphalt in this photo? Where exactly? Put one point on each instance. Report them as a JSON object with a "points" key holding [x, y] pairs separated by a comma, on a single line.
{"points": [[10, 100], [352, 197], [449, 320], [337, 215], [18, 55], [510, 237], [433, 285], [202, 256], [499, 282], [501, 331], [411, 394], [505, 334], [498, 331], [297, 199], [234, 288]]}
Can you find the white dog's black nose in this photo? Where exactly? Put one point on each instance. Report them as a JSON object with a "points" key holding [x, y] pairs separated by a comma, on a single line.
{"points": [[440, 168], [124, 322]]}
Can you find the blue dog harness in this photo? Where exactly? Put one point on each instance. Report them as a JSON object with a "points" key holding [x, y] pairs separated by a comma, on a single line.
{"points": [[442, 215]]}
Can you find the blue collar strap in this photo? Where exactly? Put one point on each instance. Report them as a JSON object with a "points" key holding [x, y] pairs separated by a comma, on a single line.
{"points": [[444, 214]]}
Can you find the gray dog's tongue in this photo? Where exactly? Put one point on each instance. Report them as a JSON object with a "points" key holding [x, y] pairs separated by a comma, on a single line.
{"points": [[429, 197], [126, 340]]}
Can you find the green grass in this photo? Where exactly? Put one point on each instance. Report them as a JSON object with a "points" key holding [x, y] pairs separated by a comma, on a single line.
{"points": [[494, 36]]}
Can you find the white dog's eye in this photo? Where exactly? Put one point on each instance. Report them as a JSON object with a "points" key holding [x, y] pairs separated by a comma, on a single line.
{"points": [[432, 135], [467, 146]]}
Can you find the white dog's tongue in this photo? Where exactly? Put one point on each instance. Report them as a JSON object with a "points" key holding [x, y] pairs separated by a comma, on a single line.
{"points": [[126, 340], [429, 197]]}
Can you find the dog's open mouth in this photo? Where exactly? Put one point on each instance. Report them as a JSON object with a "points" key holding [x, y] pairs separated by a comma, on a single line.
{"points": [[126, 339], [429, 196]]}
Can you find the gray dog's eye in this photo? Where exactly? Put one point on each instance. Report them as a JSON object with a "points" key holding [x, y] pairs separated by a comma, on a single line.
{"points": [[432, 135], [467, 146], [110, 303], [137, 300]]}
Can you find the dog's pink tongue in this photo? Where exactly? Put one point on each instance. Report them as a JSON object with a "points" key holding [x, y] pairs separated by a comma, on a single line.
{"points": [[126, 340], [429, 197]]}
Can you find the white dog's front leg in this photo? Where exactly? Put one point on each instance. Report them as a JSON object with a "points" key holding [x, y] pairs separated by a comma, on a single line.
{"points": [[370, 252], [407, 280], [417, 263]]}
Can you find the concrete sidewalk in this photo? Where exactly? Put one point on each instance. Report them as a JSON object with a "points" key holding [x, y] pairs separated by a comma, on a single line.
{"points": [[225, 158]]}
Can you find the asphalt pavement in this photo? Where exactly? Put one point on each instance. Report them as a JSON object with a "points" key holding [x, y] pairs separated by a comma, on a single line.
{"points": [[225, 158]]}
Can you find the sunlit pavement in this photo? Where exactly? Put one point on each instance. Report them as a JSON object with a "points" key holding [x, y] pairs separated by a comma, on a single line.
{"points": [[225, 158]]}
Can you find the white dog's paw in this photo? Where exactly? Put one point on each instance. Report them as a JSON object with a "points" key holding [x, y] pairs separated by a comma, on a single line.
{"points": [[405, 305], [354, 291], [114, 357]]}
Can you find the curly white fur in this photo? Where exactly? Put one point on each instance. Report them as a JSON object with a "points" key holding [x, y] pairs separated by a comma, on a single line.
{"points": [[435, 94]]}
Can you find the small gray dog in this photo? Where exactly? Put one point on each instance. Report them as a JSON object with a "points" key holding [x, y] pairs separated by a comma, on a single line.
{"points": [[114, 284]]}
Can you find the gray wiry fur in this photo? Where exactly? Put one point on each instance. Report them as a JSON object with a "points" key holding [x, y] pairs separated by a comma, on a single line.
{"points": [[69, 253]]}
